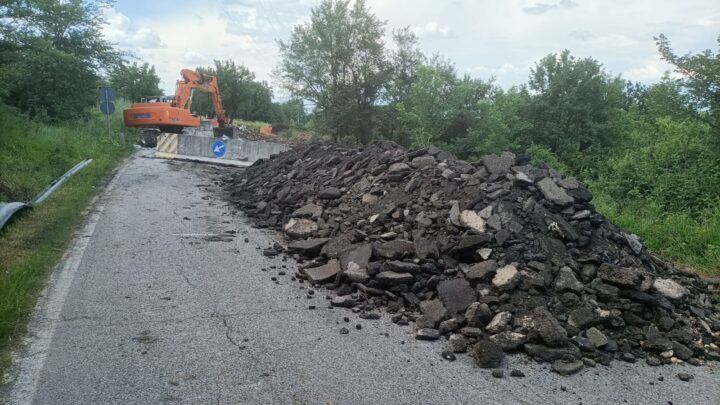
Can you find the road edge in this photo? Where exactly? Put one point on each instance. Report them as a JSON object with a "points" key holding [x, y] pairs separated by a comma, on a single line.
{"points": [[28, 360]]}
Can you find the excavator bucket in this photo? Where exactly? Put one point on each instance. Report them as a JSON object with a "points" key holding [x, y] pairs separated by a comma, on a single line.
{"points": [[226, 131]]}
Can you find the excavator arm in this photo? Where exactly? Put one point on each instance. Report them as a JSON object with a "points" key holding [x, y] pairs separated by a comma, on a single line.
{"points": [[193, 80]]}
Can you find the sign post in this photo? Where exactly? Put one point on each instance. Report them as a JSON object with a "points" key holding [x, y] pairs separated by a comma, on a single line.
{"points": [[107, 104]]}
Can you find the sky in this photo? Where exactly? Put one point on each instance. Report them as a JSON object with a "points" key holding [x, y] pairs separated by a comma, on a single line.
{"points": [[500, 38]]}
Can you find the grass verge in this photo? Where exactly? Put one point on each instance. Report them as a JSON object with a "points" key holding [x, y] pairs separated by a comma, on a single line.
{"points": [[689, 242], [31, 155], [256, 125]]}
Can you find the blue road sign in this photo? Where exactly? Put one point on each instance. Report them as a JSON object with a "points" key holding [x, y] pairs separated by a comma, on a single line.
{"points": [[107, 107], [106, 94], [218, 148]]}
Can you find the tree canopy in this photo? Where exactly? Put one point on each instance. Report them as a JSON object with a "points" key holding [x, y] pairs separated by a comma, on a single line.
{"points": [[574, 104], [701, 77], [135, 81], [242, 95], [52, 55], [337, 61]]}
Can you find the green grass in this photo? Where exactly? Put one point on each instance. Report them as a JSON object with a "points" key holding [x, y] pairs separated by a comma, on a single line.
{"points": [[256, 125], [691, 243], [31, 155]]}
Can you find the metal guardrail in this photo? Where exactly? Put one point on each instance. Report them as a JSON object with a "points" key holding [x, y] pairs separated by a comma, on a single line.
{"points": [[7, 210], [58, 182]]}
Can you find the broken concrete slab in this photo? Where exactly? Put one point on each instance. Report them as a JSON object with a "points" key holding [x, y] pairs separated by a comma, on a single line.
{"points": [[323, 273]]}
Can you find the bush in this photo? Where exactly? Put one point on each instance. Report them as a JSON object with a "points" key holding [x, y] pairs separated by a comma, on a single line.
{"points": [[677, 169]]}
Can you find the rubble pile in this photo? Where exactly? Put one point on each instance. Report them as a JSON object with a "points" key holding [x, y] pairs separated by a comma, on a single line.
{"points": [[497, 256]]}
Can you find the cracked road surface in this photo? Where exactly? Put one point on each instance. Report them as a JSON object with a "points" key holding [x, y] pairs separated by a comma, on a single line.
{"points": [[160, 300]]}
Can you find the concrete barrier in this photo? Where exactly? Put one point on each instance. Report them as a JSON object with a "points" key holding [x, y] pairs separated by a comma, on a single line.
{"points": [[176, 145]]}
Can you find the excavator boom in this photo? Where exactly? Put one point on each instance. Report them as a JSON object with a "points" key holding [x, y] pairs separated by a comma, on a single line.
{"points": [[174, 115]]}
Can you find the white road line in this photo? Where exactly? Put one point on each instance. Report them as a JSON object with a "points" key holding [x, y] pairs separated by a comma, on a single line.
{"points": [[47, 311]]}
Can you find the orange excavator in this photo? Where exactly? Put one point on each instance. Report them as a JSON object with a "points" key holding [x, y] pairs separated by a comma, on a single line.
{"points": [[172, 114]]}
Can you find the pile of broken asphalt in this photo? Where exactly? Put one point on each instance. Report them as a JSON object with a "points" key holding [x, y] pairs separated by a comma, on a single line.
{"points": [[497, 256]]}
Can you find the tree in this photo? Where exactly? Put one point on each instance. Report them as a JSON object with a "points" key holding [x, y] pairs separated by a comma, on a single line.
{"points": [[242, 96], [52, 53], [499, 123], [701, 74], [439, 107], [573, 107], [337, 62], [663, 99], [405, 61], [289, 112], [259, 107], [422, 111], [135, 81]]}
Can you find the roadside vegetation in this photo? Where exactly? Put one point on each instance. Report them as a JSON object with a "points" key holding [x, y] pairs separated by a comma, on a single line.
{"points": [[32, 155], [52, 60]]}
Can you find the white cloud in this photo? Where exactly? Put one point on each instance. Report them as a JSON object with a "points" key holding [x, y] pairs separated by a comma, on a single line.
{"points": [[542, 8], [506, 75], [198, 40], [484, 39], [582, 34], [195, 58], [122, 31], [433, 30], [650, 71]]}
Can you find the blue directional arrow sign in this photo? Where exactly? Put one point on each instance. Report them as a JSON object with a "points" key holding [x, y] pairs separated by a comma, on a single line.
{"points": [[218, 148]]}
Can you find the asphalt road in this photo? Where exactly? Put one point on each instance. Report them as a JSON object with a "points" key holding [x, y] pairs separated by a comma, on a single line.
{"points": [[160, 300]]}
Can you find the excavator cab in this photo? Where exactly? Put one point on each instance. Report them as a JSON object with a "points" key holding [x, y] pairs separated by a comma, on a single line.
{"points": [[157, 99]]}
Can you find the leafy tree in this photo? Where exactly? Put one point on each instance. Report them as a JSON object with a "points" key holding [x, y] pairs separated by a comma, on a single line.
{"points": [[337, 62], [422, 111], [135, 81], [499, 124], [405, 61], [51, 84], [72, 26], [666, 99], [52, 52], [289, 112], [439, 107], [259, 106], [242, 96], [701, 74], [573, 107]]}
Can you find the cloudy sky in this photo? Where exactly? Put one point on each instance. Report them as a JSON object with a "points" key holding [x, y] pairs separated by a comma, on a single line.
{"points": [[498, 38]]}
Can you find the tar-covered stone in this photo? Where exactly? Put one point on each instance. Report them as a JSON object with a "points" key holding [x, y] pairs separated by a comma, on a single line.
{"points": [[456, 294], [488, 354], [565, 368], [448, 355], [427, 334], [685, 377]]}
